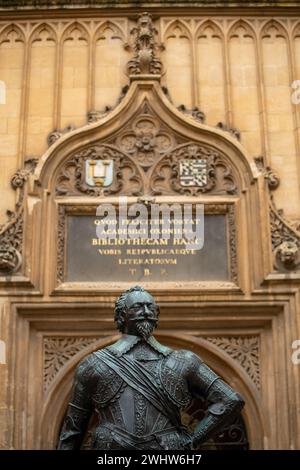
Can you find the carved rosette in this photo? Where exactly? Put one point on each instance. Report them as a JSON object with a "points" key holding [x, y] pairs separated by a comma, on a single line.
{"points": [[11, 233], [145, 60], [243, 349], [146, 141], [72, 179], [57, 351], [219, 177]]}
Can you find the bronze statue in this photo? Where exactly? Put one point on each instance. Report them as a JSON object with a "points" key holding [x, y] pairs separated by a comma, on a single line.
{"points": [[138, 388]]}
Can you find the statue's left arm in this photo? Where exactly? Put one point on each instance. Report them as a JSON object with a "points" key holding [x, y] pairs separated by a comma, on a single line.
{"points": [[224, 403]]}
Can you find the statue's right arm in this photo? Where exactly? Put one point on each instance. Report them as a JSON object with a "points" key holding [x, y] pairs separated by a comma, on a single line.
{"points": [[80, 408]]}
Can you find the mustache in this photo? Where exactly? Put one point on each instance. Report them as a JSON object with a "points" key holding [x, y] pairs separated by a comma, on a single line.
{"points": [[145, 328]]}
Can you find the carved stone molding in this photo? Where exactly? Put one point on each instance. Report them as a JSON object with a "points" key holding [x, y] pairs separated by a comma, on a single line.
{"points": [[285, 235], [232, 130], [243, 349], [270, 175], [195, 285], [95, 116], [61, 236], [218, 174], [72, 179], [194, 113], [56, 134], [11, 233], [232, 244], [57, 351], [145, 48]]}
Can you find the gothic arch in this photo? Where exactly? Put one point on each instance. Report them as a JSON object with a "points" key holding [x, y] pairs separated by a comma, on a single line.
{"points": [[39, 30], [273, 27], [12, 28], [241, 24], [209, 25], [76, 25], [227, 368], [108, 25], [296, 31], [183, 28], [107, 124]]}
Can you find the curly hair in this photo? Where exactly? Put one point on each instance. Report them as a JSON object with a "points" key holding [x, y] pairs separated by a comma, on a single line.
{"points": [[120, 305]]}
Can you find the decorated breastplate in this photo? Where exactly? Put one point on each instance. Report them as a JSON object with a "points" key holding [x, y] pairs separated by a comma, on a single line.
{"points": [[109, 385], [173, 380]]}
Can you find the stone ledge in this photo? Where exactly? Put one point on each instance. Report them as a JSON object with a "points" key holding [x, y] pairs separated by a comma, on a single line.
{"points": [[65, 4]]}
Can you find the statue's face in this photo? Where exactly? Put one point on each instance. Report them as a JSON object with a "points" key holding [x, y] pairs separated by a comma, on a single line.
{"points": [[141, 314]]}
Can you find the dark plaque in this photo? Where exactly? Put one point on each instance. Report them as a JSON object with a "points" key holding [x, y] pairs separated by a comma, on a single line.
{"points": [[90, 259]]}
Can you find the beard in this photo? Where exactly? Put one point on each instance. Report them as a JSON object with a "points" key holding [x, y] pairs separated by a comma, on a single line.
{"points": [[145, 328]]}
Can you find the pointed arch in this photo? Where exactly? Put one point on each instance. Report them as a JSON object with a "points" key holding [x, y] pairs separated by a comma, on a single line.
{"points": [[296, 31], [109, 59], [163, 110], [100, 32], [12, 33], [241, 28], [277, 77], [43, 33], [296, 50], [13, 49], [210, 71], [273, 29], [75, 59], [39, 117], [57, 399], [177, 28], [243, 69], [179, 66], [209, 29], [75, 31]]}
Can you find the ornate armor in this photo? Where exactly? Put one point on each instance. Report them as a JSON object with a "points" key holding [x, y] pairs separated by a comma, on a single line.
{"points": [[138, 388]]}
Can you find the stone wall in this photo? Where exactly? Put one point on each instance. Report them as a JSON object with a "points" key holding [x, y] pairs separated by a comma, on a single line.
{"points": [[237, 70]]}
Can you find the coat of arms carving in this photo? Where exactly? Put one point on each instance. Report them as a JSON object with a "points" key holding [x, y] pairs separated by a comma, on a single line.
{"points": [[99, 172], [193, 172]]}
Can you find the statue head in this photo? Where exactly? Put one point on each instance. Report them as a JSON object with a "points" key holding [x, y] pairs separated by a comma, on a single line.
{"points": [[136, 312]]}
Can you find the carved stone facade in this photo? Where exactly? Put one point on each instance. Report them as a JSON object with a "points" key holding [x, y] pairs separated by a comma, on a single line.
{"points": [[57, 351], [147, 145], [145, 60], [11, 232], [161, 106], [244, 350], [285, 237]]}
